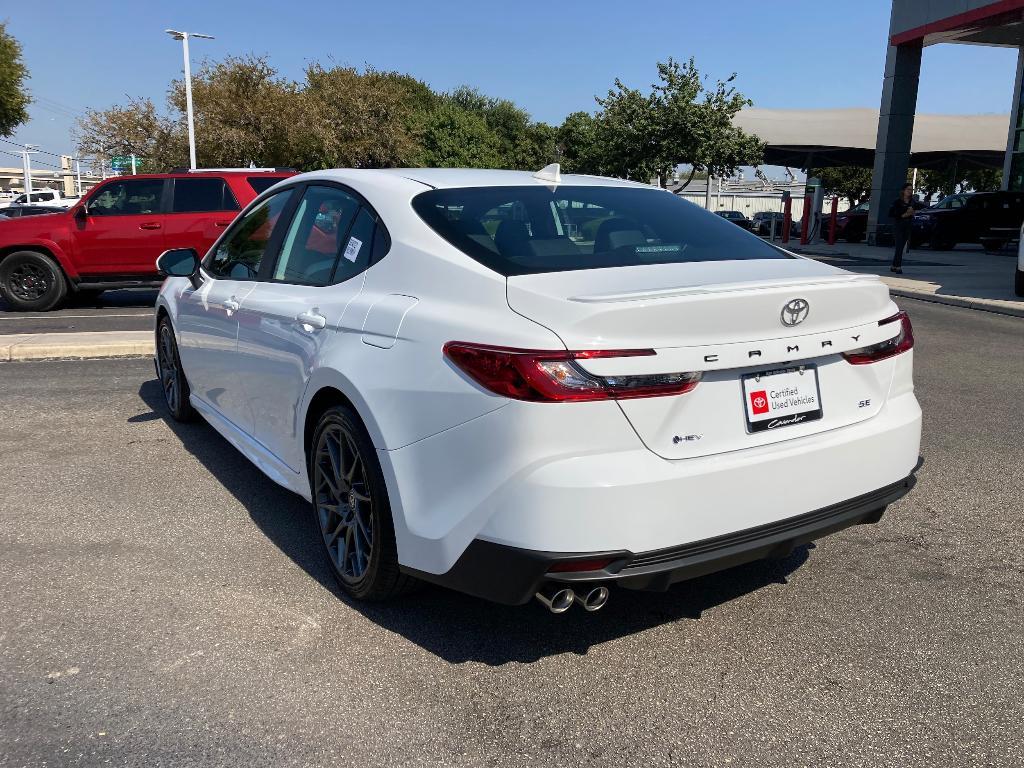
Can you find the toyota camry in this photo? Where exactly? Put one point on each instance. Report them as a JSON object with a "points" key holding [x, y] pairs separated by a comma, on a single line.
{"points": [[525, 384]]}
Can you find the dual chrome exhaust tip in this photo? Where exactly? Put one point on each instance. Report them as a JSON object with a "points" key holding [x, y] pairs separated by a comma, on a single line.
{"points": [[559, 599]]}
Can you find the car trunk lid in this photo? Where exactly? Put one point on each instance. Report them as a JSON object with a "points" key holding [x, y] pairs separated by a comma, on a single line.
{"points": [[725, 320]]}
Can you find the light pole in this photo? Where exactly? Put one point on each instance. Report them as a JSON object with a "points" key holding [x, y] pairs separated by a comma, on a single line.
{"points": [[26, 166], [184, 36]]}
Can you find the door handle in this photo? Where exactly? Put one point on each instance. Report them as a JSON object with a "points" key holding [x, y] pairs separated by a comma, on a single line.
{"points": [[231, 305], [221, 224], [312, 319], [150, 225]]}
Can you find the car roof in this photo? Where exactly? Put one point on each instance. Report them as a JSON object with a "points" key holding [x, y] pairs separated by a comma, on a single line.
{"points": [[450, 178], [203, 174]]}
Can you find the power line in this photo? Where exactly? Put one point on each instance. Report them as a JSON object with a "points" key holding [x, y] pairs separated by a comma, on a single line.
{"points": [[41, 151], [37, 162]]}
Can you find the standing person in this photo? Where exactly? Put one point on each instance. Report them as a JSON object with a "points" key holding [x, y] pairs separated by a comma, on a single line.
{"points": [[902, 214]]}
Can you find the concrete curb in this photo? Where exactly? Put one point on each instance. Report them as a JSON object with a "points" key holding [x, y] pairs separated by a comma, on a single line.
{"points": [[958, 301], [24, 347]]}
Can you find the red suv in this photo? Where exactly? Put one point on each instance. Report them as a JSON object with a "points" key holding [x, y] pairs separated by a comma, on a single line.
{"points": [[111, 239]]}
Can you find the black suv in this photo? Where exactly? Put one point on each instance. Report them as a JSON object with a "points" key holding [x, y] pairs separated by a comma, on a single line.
{"points": [[990, 218]]}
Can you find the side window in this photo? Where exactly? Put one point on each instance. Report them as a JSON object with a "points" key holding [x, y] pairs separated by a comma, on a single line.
{"points": [[313, 241], [201, 195], [381, 243], [239, 255], [126, 198], [355, 254]]}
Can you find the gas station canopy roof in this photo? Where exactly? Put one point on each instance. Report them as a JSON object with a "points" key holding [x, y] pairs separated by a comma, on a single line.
{"points": [[820, 138]]}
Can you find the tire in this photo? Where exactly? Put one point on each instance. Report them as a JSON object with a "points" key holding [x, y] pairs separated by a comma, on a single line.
{"points": [[170, 373], [32, 281], [854, 237], [992, 245], [351, 509], [1018, 283]]}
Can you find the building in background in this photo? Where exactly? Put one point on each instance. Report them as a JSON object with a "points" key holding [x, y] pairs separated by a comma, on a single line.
{"points": [[913, 25]]}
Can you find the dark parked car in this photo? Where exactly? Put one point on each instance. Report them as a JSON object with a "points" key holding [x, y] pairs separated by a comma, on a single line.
{"points": [[852, 224], [761, 222], [990, 218], [16, 211], [736, 218]]}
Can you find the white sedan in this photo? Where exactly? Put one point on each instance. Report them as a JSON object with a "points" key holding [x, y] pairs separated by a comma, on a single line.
{"points": [[519, 384]]}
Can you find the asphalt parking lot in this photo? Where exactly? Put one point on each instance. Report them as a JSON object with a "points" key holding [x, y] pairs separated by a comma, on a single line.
{"points": [[165, 604], [122, 310]]}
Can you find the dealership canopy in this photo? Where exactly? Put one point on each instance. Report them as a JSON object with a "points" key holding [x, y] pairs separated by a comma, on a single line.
{"points": [[818, 138]]}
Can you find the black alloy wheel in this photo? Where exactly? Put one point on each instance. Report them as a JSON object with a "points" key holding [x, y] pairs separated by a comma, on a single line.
{"points": [[172, 377], [32, 281], [350, 503]]}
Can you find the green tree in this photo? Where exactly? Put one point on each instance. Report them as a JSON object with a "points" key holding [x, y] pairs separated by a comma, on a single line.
{"points": [[848, 181], [348, 118], [704, 136], [14, 98], [951, 180], [576, 140], [518, 142], [455, 137], [681, 120], [243, 113], [136, 129], [628, 138]]}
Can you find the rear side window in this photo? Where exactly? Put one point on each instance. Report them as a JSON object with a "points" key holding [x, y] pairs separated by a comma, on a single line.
{"points": [[527, 230], [201, 195], [355, 253], [261, 184]]}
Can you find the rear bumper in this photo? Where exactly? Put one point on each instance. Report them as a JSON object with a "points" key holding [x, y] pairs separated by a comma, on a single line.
{"points": [[512, 576]]}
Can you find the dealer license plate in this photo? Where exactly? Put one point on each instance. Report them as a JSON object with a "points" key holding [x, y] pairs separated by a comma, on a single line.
{"points": [[781, 398]]}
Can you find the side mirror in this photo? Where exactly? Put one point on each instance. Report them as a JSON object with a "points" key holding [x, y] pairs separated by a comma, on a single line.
{"points": [[81, 212], [179, 262]]}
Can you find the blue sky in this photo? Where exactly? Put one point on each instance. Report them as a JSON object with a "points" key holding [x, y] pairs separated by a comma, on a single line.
{"points": [[550, 58]]}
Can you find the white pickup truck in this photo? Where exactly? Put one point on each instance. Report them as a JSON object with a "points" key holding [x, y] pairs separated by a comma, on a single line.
{"points": [[41, 197]]}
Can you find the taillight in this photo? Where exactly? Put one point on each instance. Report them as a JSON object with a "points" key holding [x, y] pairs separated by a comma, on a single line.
{"points": [[554, 376], [900, 343]]}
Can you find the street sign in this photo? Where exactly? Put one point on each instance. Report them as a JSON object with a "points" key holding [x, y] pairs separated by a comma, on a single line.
{"points": [[121, 163]]}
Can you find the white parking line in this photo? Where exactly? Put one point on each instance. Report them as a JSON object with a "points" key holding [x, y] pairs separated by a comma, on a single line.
{"points": [[72, 317]]}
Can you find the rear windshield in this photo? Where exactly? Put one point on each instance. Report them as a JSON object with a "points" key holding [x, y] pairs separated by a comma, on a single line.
{"points": [[526, 230]]}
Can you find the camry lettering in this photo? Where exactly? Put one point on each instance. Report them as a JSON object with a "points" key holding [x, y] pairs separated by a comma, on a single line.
{"points": [[794, 348], [826, 343], [710, 358], [754, 353]]}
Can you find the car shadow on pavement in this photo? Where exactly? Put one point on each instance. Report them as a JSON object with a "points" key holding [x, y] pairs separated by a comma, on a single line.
{"points": [[453, 626]]}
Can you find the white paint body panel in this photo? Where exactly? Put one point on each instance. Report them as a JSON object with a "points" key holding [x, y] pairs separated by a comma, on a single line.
{"points": [[462, 463]]}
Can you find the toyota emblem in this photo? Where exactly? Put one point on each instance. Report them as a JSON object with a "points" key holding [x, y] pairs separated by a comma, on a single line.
{"points": [[795, 312]]}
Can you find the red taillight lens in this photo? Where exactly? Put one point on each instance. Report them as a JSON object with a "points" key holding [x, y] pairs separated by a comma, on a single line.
{"points": [[554, 376], [900, 343]]}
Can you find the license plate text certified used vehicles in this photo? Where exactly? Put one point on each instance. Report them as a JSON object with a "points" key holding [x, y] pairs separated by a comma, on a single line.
{"points": [[781, 398]]}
